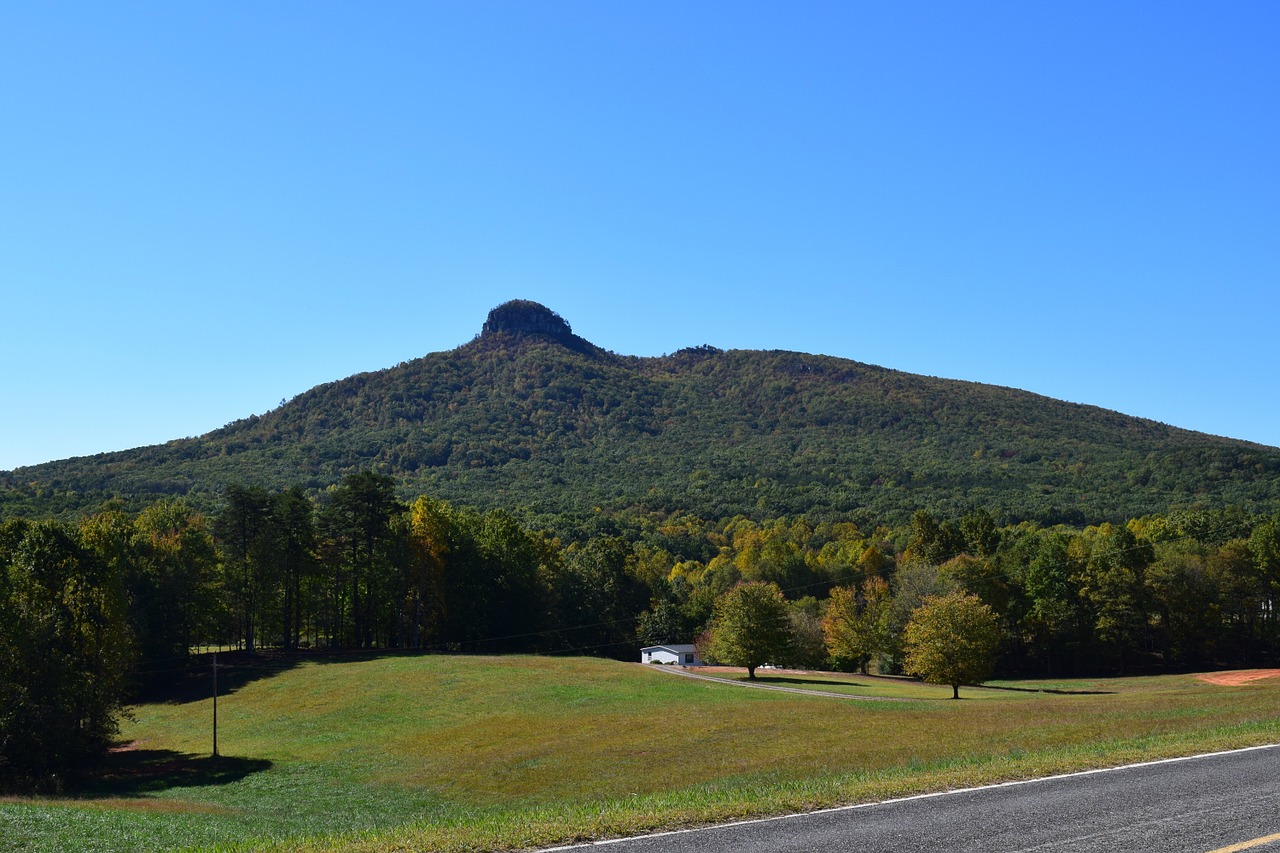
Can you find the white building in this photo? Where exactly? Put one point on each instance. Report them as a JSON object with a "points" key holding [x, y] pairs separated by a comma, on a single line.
{"points": [[679, 654]]}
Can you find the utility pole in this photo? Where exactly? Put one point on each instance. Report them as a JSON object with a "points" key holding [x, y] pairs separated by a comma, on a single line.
{"points": [[215, 704]]}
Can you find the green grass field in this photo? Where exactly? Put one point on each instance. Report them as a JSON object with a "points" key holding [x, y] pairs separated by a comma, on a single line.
{"points": [[486, 753]]}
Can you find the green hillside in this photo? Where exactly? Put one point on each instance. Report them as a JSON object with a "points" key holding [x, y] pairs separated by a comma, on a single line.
{"points": [[529, 416]]}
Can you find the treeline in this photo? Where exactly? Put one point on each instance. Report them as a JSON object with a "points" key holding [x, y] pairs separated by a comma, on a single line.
{"points": [[1168, 592], [92, 609], [362, 570]]}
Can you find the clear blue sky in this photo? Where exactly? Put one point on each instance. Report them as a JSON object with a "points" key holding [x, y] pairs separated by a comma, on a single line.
{"points": [[208, 207]]}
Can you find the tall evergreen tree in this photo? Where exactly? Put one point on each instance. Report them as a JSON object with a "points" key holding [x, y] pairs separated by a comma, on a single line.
{"points": [[357, 520], [242, 534], [292, 530]]}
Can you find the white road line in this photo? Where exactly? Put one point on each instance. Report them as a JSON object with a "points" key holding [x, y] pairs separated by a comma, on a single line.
{"points": [[931, 795]]}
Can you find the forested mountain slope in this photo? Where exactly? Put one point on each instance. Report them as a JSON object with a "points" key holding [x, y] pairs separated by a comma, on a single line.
{"points": [[528, 415]]}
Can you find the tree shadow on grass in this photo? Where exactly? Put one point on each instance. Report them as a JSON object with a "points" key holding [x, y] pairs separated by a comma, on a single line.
{"points": [[812, 682], [809, 682], [1054, 690], [138, 772], [194, 681]]}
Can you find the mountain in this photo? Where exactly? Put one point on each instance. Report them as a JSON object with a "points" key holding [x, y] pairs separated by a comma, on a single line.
{"points": [[529, 415]]}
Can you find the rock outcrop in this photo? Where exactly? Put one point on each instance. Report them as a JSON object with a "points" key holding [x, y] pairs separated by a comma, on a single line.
{"points": [[524, 317]]}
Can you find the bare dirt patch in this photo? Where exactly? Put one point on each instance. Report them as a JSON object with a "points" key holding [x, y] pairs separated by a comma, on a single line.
{"points": [[1236, 677]]}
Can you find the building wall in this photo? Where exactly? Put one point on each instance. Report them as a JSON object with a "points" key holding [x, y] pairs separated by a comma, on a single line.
{"points": [[662, 656], [665, 656]]}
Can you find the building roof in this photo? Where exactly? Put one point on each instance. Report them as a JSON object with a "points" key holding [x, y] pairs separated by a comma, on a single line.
{"points": [[678, 648]]}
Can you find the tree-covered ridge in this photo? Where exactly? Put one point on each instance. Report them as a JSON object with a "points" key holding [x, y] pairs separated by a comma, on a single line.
{"points": [[532, 418]]}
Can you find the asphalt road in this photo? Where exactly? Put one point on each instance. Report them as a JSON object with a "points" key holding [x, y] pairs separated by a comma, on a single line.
{"points": [[1225, 803]]}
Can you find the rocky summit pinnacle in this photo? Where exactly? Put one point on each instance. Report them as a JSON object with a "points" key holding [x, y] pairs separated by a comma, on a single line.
{"points": [[524, 317]]}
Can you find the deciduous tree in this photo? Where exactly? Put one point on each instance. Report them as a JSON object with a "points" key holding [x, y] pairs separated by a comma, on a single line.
{"points": [[1113, 584], [952, 640], [750, 626], [64, 653], [172, 580], [855, 624]]}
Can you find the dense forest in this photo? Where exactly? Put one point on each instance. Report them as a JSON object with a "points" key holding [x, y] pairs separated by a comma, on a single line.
{"points": [[531, 418], [94, 610]]}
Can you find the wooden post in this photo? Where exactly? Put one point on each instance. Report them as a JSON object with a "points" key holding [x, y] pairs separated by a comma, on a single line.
{"points": [[215, 704]]}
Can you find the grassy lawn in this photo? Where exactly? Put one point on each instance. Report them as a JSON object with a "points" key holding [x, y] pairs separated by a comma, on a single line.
{"points": [[477, 753]]}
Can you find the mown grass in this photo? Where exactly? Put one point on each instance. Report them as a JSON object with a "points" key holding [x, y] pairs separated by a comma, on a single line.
{"points": [[475, 753]]}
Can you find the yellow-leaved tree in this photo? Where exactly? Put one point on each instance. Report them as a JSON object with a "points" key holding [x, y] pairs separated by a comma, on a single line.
{"points": [[855, 624], [952, 639]]}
